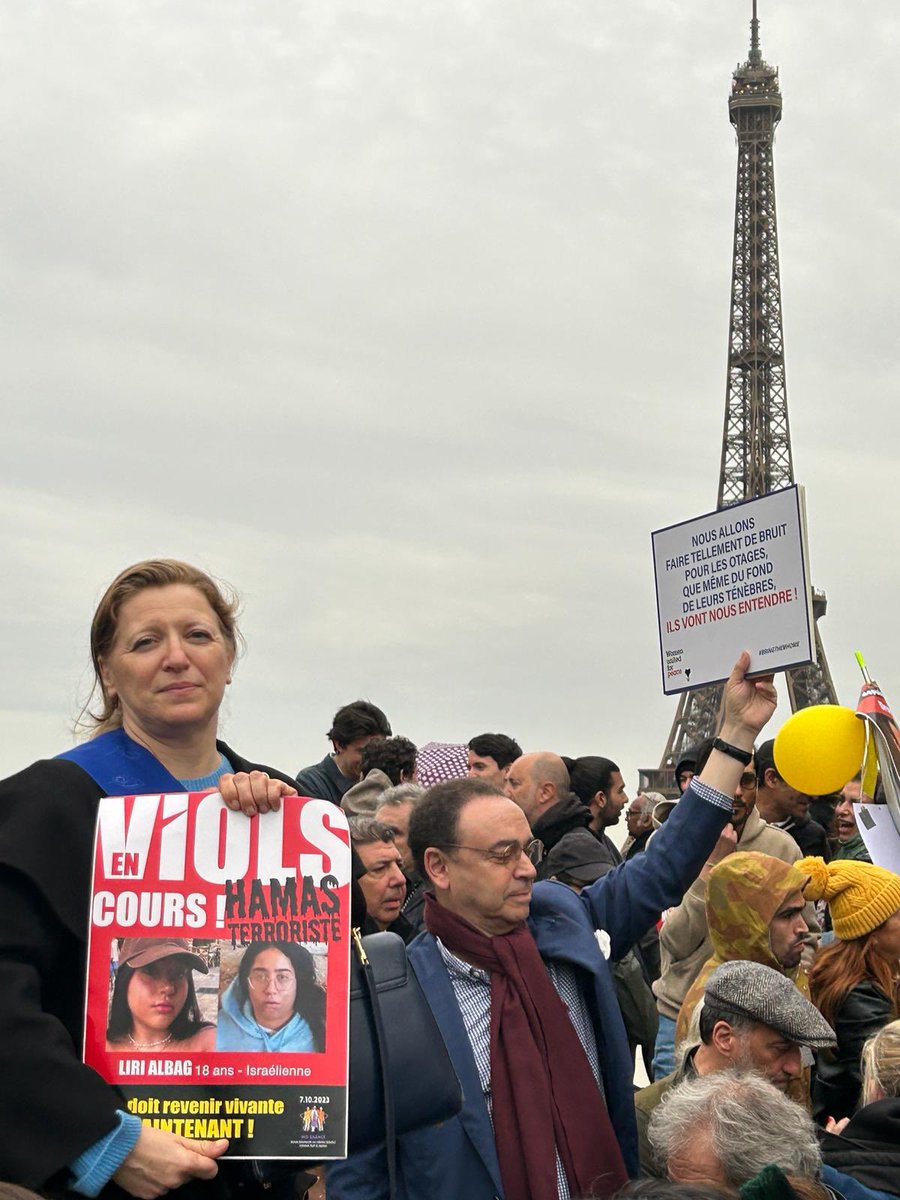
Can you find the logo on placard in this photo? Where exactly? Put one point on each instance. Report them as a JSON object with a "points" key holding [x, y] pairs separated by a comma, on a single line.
{"points": [[314, 1119]]}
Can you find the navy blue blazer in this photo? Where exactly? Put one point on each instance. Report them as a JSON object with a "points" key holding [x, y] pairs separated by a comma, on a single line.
{"points": [[458, 1157]]}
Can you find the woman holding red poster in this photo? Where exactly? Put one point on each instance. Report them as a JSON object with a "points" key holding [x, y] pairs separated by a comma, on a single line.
{"points": [[164, 641]]}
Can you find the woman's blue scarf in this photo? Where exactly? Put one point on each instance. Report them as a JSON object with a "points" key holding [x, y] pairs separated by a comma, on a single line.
{"points": [[121, 767]]}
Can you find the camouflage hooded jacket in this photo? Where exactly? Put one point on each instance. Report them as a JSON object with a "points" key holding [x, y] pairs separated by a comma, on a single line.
{"points": [[743, 894]]}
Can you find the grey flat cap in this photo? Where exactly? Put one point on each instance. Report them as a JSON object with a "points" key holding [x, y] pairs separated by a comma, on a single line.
{"points": [[749, 989]]}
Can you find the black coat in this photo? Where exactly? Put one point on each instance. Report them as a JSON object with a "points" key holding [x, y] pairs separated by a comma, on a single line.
{"points": [[563, 829], [52, 1106], [810, 837], [869, 1148], [865, 1009]]}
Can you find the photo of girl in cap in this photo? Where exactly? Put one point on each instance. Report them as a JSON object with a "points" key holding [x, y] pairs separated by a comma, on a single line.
{"points": [[154, 1004]]}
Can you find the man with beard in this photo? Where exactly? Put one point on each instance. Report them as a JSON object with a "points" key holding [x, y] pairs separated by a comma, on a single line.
{"points": [[783, 806], [753, 1019], [684, 939], [755, 911]]}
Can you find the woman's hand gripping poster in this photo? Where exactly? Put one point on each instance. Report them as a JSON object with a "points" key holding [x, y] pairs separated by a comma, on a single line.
{"points": [[218, 970]]}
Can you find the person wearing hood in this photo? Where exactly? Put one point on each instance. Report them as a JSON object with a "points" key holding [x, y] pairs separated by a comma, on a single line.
{"points": [[754, 910], [684, 939], [685, 770], [273, 1003]]}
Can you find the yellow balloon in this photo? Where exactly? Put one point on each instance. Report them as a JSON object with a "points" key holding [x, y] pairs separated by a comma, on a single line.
{"points": [[820, 748]]}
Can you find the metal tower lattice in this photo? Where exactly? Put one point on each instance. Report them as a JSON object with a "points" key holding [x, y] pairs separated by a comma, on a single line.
{"points": [[756, 442]]}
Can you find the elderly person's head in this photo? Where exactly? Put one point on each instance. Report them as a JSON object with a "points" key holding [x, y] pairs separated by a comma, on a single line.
{"points": [[721, 1130], [394, 810], [537, 782], [639, 814], [383, 883]]}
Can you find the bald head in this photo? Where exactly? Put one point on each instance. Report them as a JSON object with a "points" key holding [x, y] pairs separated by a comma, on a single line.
{"points": [[536, 782]]}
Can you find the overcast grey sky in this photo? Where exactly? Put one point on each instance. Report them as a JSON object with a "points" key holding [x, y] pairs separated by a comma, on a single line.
{"points": [[408, 318]]}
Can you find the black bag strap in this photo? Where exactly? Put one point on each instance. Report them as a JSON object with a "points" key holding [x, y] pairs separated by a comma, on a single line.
{"points": [[390, 1138]]}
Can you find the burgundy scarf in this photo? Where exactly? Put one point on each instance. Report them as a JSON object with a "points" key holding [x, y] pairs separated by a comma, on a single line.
{"points": [[545, 1097]]}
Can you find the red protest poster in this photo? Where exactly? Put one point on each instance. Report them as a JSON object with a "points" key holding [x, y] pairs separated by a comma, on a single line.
{"points": [[218, 970]]}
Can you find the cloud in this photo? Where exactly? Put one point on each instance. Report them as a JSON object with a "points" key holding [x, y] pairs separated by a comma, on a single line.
{"points": [[410, 319]]}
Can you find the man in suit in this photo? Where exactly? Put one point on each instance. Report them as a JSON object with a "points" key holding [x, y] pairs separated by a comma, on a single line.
{"points": [[523, 995]]}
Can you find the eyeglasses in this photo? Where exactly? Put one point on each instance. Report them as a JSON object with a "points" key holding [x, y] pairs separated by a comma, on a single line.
{"points": [[507, 854], [748, 781], [260, 979]]}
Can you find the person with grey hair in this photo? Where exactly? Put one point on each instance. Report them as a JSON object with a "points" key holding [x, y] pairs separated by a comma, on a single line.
{"points": [[382, 882], [639, 822], [753, 1018], [395, 808], [723, 1129]]}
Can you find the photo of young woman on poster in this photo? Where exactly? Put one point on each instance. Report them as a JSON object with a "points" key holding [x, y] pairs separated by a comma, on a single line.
{"points": [[154, 1007], [274, 1003]]}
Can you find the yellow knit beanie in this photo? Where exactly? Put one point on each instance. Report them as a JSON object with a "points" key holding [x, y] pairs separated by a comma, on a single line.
{"points": [[860, 895]]}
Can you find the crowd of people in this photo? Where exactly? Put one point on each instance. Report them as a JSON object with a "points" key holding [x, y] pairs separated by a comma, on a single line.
{"points": [[740, 943]]}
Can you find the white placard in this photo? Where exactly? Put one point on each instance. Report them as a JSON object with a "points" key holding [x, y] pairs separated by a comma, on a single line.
{"points": [[731, 580], [879, 834]]}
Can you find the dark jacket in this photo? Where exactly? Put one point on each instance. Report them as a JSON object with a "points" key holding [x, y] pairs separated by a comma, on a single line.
{"points": [[458, 1158], [323, 781], [865, 1009], [638, 845], [570, 844], [869, 1148], [52, 1107], [810, 837], [563, 829], [414, 904], [609, 848]]}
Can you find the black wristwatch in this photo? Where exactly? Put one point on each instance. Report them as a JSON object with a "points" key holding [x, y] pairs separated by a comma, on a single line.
{"points": [[743, 756]]}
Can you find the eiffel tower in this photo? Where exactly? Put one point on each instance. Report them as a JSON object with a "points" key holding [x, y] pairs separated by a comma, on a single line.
{"points": [[756, 443]]}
